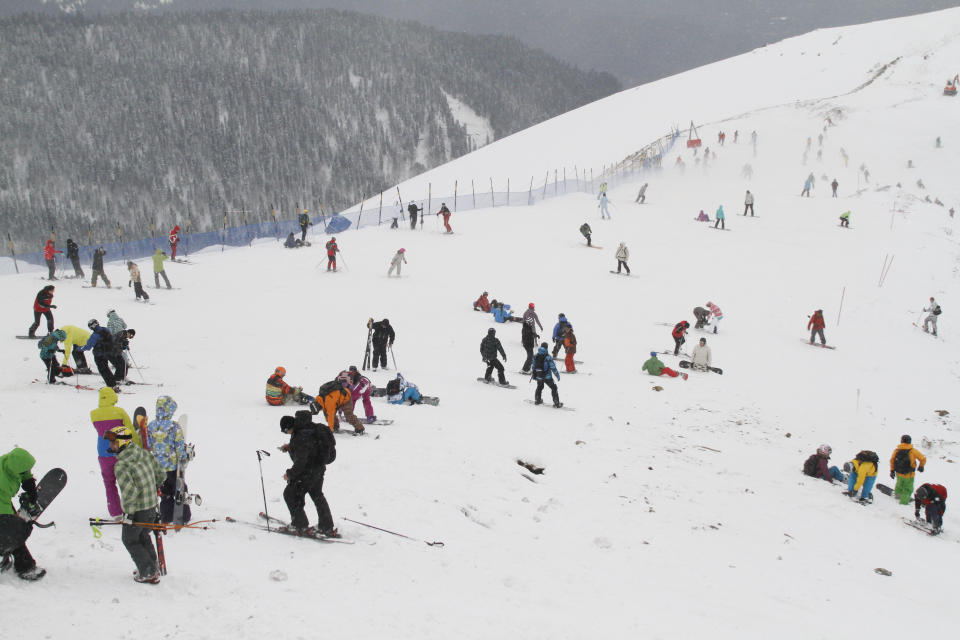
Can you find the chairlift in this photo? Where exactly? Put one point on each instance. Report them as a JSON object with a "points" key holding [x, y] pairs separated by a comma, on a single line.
{"points": [[693, 137]]}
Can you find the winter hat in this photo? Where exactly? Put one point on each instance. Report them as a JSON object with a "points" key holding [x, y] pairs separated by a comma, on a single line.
{"points": [[530, 306], [544, 345], [286, 422], [402, 251], [905, 439], [491, 332], [653, 354], [131, 333]]}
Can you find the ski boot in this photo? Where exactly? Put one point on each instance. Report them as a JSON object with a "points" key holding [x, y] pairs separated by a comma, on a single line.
{"points": [[32, 574]]}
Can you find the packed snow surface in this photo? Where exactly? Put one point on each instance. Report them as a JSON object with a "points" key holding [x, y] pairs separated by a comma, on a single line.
{"points": [[667, 508]]}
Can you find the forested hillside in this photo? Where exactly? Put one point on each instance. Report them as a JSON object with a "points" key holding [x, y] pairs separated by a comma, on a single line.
{"points": [[155, 118]]}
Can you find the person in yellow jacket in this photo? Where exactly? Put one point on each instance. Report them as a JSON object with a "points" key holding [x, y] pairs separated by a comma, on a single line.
{"points": [[904, 461], [105, 417], [335, 396], [863, 476], [75, 336], [158, 259]]}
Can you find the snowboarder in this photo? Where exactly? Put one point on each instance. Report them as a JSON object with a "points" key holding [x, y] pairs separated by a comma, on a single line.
{"points": [[558, 332], [604, 212], [73, 252], [15, 474], [702, 217], [715, 315], [586, 232], [397, 262], [642, 196], [42, 304], [333, 397], [845, 219], [102, 342], [278, 392], [569, 348], [807, 185], [544, 370], [904, 463], [528, 338], [702, 316], [166, 442], [383, 337], [104, 418], [49, 256], [482, 303], [933, 497], [622, 254], [530, 316], [701, 357], [817, 465], [445, 212], [655, 367], [48, 354], [863, 476], [816, 326], [413, 210], [159, 257], [97, 267], [174, 241], [400, 391], [360, 389], [135, 281], [679, 335], [834, 185], [75, 337], [292, 243], [332, 250], [489, 348], [931, 319], [502, 312], [312, 447], [721, 218], [748, 203], [304, 220], [139, 477]]}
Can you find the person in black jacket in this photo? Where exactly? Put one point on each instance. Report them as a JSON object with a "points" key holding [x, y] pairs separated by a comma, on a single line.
{"points": [[383, 337], [98, 267], [73, 252], [528, 338], [489, 348], [106, 352], [413, 210], [311, 448]]}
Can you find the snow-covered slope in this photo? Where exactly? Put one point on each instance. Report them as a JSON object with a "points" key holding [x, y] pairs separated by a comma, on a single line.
{"points": [[664, 513]]}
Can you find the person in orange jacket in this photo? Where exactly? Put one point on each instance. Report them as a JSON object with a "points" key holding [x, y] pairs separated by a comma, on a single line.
{"points": [[903, 463], [816, 326], [569, 348], [332, 397]]}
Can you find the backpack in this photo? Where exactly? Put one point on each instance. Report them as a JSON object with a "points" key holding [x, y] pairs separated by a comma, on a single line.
{"points": [[540, 362], [329, 387], [901, 461], [393, 387], [868, 456], [810, 466], [936, 310]]}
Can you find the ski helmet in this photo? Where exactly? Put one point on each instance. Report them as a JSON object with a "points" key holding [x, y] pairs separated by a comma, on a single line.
{"points": [[353, 368], [93, 324], [121, 434], [825, 450], [280, 371], [905, 439]]}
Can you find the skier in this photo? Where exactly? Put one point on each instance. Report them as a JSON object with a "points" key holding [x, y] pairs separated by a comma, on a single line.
{"points": [[489, 347], [931, 319], [816, 326], [721, 218], [174, 241], [304, 220], [397, 262], [311, 449], [622, 254], [446, 216], [400, 391], [482, 303], [49, 256], [530, 316], [397, 212], [48, 354], [42, 304], [166, 442], [139, 477], [558, 332], [748, 203], [569, 348], [933, 497], [332, 397], [604, 212], [702, 316], [586, 231], [74, 337], [332, 250], [158, 258], [807, 185], [73, 252], [15, 474], [135, 281], [701, 357], [715, 315], [278, 392], [104, 353], [104, 418], [383, 337], [817, 465], [413, 210], [834, 185], [863, 476], [98, 267], [845, 219], [642, 196], [544, 370], [679, 332], [655, 367], [360, 388], [904, 463], [528, 338]]}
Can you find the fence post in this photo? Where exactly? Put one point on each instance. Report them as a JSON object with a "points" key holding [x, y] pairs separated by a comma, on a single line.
{"points": [[455, 195], [492, 203], [13, 254], [530, 195], [564, 179], [508, 192], [429, 202], [474, 192], [546, 180], [223, 234], [554, 182]]}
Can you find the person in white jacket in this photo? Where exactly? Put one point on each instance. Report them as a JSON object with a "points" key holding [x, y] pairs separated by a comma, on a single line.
{"points": [[623, 254], [748, 203], [399, 259], [931, 319], [701, 357]]}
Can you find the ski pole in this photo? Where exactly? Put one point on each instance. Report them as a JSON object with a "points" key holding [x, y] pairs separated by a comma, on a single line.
{"points": [[343, 260], [392, 358], [260, 454], [135, 366], [435, 543]]}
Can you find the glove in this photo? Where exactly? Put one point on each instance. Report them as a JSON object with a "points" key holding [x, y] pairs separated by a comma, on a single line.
{"points": [[30, 505], [920, 468], [916, 514], [60, 351], [53, 306], [30, 488], [893, 474]]}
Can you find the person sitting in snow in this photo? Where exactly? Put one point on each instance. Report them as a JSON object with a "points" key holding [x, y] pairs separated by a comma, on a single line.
{"points": [[400, 391], [817, 465], [701, 357], [502, 313], [482, 303], [845, 219], [655, 367], [702, 217]]}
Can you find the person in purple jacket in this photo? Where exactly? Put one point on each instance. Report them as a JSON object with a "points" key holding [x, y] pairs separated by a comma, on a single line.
{"points": [[817, 465]]}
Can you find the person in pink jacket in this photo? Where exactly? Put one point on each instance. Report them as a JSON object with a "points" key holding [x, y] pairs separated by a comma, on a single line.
{"points": [[360, 388], [715, 315]]}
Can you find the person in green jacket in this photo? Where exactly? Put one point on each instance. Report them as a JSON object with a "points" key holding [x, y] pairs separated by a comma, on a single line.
{"points": [[158, 259], [845, 219], [15, 473], [655, 367], [139, 476]]}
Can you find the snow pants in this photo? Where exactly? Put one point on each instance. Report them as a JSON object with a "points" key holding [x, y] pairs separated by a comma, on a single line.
{"points": [[722, 222], [77, 269], [295, 496], [110, 485], [623, 264], [52, 269], [49, 316], [538, 394], [568, 361], [748, 206], [667, 371], [930, 320], [379, 355], [173, 251], [138, 543], [677, 343], [866, 490], [817, 332], [367, 406], [13, 540], [156, 278], [494, 363], [53, 368], [529, 361], [446, 223], [100, 273], [168, 499], [933, 512], [111, 378], [903, 490], [395, 265], [138, 289], [331, 262], [604, 212]]}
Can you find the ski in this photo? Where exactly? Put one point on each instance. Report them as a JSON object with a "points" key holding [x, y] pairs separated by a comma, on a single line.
{"points": [[549, 405], [817, 344], [718, 229], [686, 364], [496, 384], [142, 384], [66, 384], [591, 246], [922, 525], [617, 273], [279, 526]]}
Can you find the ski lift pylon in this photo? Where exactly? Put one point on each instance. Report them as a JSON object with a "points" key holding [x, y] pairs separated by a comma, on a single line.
{"points": [[693, 137]]}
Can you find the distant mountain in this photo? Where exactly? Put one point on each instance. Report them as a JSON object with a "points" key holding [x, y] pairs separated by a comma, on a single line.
{"points": [[155, 117]]}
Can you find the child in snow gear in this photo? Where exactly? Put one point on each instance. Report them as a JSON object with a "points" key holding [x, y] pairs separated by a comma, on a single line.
{"points": [[399, 259], [679, 335], [604, 212], [489, 348], [845, 219], [816, 326], [42, 304], [105, 353], [558, 332], [49, 256], [655, 367], [715, 315], [97, 267], [278, 391], [642, 196], [312, 447], [904, 462], [104, 418], [622, 254], [445, 212], [360, 389], [400, 391], [15, 474], [930, 320], [863, 476], [333, 397], [817, 465], [586, 231], [413, 210], [174, 241], [139, 477], [933, 497], [135, 281], [721, 218], [528, 338], [701, 356], [383, 337], [75, 337], [166, 442], [748, 203], [544, 370], [702, 315], [332, 251], [569, 348], [482, 303], [73, 252], [159, 257], [48, 354], [304, 221]]}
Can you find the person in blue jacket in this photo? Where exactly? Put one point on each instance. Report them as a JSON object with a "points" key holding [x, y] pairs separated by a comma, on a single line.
{"points": [[558, 330], [721, 218], [105, 352], [401, 391], [544, 369], [501, 312]]}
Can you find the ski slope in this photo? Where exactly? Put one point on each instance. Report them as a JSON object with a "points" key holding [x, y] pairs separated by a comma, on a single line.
{"points": [[664, 513]]}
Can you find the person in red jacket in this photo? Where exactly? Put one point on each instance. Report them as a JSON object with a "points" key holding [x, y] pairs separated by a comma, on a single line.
{"points": [[482, 303], [49, 253], [174, 241], [933, 497], [445, 212], [816, 326], [678, 333], [41, 307], [332, 250]]}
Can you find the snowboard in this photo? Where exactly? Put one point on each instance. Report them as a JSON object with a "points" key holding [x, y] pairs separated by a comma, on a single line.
{"points": [[844, 227], [378, 422], [686, 364], [817, 344], [718, 229], [48, 488], [550, 405], [87, 286], [886, 490], [181, 497], [496, 384], [617, 273], [31, 337], [922, 525], [431, 400], [592, 246]]}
